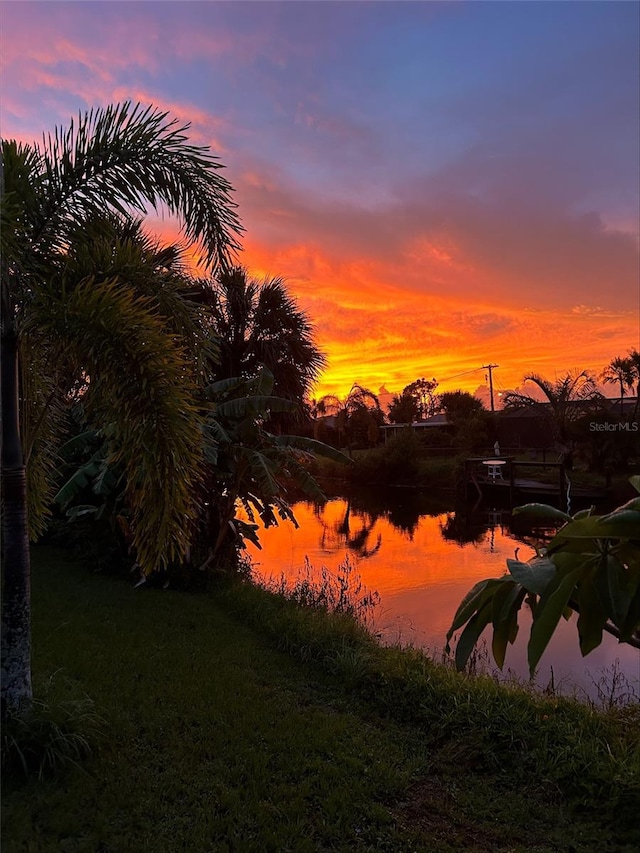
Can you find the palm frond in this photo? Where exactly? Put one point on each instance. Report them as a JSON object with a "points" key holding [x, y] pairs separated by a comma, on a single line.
{"points": [[155, 431], [515, 400], [80, 442], [128, 156], [304, 480], [214, 429], [43, 423], [246, 407], [260, 323], [329, 405], [311, 446], [261, 384], [119, 248]]}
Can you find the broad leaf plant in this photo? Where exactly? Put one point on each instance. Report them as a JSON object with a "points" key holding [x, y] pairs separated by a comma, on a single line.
{"points": [[591, 567]]}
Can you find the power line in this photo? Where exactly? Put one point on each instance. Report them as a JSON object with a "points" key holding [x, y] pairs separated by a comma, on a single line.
{"points": [[464, 373], [489, 367]]}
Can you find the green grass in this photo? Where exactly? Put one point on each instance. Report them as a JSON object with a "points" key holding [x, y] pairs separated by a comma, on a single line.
{"points": [[240, 722]]}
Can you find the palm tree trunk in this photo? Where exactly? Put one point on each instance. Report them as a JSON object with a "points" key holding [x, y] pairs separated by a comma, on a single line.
{"points": [[621, 400], [16, 598]]}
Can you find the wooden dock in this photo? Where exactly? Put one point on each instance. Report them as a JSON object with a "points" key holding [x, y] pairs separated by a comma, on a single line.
{"points": [[499, 475]]}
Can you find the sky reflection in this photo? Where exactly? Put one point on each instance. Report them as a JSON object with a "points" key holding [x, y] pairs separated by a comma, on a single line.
{"points": [[422, 576]]}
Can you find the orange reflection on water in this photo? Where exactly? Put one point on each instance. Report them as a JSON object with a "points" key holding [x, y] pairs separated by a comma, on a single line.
{"points": [[422, 571]]}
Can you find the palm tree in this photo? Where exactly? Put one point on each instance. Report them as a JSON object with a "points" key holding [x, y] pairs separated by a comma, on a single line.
{"points": [[259, 323], [567, 400], [634, 358], [120, 249], [358, 416], [620, 370], [113, 160]]}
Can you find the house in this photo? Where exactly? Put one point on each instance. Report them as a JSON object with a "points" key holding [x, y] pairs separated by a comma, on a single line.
{"points": [[532, 426], [440, 421]]}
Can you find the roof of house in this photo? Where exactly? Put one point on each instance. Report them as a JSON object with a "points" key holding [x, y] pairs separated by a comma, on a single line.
{"points": [[434, 421]]}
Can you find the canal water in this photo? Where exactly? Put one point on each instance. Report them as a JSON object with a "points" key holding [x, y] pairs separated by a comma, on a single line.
{"points": [[422, 557]]}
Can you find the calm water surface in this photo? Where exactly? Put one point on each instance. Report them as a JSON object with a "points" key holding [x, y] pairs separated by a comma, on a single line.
{"points": [[422, 558]]}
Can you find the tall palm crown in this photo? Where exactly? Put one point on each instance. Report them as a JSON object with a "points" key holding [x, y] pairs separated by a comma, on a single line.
{"points": [[357, 416], [620, 371], [259, 323], [70, 247], [119, 158], [634, 358]]}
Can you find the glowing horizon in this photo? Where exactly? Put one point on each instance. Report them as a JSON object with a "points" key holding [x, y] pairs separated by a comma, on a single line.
{"points": [[435, 195]]}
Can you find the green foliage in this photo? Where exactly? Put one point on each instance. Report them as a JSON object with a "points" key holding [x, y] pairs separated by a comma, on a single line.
{"points": [[88, 292], [403, 409], [154, 435], [360, 748], [117, 158], [459, 405], [215, 740], [567, 399], [358, 417], [591, 566], [472, 723], [397, 461], [423, 392], [342, 592], [121, 249], [48, 738], [417, 401], [244, 462], [43, 418], [623, 372], [259, 323]]}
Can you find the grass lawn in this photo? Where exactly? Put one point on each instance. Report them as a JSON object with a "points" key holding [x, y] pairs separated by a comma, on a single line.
{"points": [[216, 739]]}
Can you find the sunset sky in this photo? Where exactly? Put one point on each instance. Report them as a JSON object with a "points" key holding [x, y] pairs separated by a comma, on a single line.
{"points": [[441, 184]]}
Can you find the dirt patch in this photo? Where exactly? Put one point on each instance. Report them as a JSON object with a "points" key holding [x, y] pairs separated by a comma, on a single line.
{"points": [[431, 809]]}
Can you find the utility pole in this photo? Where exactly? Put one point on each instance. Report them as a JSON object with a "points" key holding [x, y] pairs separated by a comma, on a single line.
{"points": [[490, 367]]}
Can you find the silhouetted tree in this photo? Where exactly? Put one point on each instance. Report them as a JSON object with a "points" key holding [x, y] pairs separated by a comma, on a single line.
{"points": [[469, 419], [403, 409], [260, 323], [460, 405], [622, 371], [423, 391], [358, 417], [634, 358]]}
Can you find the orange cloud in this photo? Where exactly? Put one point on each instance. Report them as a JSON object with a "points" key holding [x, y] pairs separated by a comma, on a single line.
{"points": [[379, 334]]}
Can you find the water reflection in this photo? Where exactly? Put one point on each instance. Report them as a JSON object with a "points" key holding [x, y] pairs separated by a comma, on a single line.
{"points": [[459, 527], [423, 556], [357, 537]]}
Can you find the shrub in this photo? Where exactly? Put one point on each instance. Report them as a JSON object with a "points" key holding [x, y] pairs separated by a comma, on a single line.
{"points": [[396, 462], [48, 737]]}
